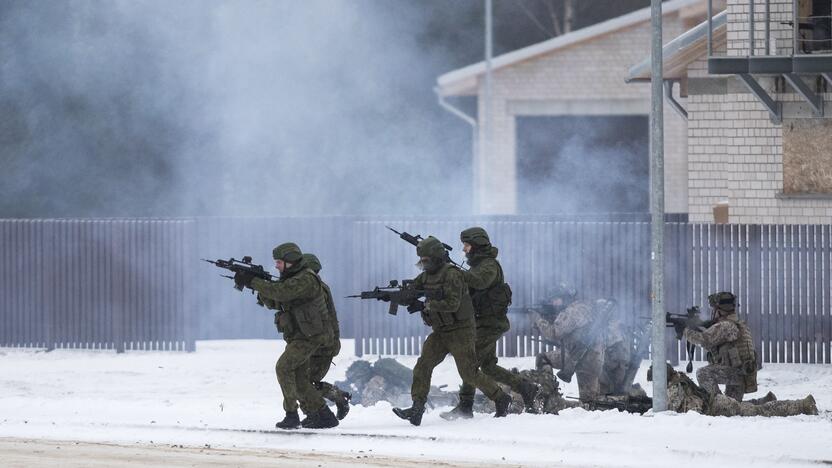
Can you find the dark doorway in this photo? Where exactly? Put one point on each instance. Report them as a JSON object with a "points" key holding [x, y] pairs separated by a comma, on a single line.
{"points": [[583, 164]]}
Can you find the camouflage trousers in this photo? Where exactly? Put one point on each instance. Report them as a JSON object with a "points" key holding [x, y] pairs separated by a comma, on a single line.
{"points": [[587, 370], [459, 344], [722, 405], [319, 364], [710, 376], [293, 374], [616, 363], [486, 354]]}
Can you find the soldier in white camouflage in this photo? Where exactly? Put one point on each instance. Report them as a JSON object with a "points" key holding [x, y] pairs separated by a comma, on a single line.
{"points": [[730, 350], [684, 395]]}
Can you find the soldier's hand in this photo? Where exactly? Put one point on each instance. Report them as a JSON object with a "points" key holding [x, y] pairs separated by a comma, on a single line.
{"points": [[416, 306], [242, 279]]}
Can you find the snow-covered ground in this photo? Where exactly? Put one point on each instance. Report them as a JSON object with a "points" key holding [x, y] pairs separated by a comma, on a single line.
{"points": [[183, 399]]}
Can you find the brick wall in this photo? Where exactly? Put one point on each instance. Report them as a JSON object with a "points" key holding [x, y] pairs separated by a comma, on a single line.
{"points": [[591, 71], [735, 154], [738, 27]]}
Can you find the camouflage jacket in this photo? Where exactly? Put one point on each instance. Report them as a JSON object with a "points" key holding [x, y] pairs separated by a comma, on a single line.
{"points": [[567, 325], [301, 304], [728, 343], [486, 282], [454, 310]]}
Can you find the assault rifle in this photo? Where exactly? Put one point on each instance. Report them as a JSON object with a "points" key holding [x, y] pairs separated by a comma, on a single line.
{"points": [[692, 320], [414, 241], [630, 404], [405, 294], [242, 266]]}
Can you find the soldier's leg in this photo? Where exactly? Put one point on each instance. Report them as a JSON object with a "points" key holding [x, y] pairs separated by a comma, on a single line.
{"points": [[486, 349], [725, 406], [588, 370], [293, 376], [460, 343], [433, 353], [710, 376]]}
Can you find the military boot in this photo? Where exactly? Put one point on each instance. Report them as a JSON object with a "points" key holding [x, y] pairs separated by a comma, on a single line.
{"points": [[291, 421], [323, 419], [464, 409], [761, 401], [412, 414], [809, 406], [529, 390], [342, 404], [502, 403]]}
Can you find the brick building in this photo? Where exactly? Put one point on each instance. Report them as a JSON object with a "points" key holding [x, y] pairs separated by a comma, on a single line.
{"points": [[758, 138], [573, 86]]}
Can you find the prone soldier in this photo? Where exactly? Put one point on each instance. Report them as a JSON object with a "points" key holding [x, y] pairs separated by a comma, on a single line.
{"points": [[490, 296]]}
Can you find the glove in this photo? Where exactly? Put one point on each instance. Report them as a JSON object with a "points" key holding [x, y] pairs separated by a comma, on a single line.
{"points": [[680, 330], [416, 306], [242, 279]]}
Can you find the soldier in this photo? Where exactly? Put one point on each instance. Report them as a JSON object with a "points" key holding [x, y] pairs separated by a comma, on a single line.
{"points": [[684, 395], [303, 318], [491, 297], [575, 327], [321, 359], [454, 329], [730, 350]]}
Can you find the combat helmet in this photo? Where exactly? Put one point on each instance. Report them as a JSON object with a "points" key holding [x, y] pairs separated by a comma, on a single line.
{"points": [[312, 262], [430, 247], [288, 252], [475, 236], [562, 290], [725, 301]]}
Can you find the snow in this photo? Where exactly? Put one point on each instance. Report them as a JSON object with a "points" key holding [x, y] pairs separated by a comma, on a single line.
{"points": [[184, 398]]}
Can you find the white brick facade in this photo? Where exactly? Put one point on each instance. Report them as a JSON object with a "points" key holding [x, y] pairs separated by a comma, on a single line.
{"points": [[735, 152], [588, 77]]}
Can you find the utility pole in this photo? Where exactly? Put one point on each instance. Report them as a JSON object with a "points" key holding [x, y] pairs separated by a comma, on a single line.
{"points": [[485, 147], [657, 210]]}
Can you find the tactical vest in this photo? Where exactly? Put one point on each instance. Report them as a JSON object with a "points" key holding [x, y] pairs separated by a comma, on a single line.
{"points": [[307, 316], [494, 300], [441, 319], [739, 354]]}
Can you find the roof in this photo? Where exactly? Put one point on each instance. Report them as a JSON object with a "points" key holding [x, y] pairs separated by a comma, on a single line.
{"points": [[680, 52], [463, 81]]}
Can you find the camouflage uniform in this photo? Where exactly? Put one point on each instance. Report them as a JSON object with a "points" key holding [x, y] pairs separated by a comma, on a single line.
{"points": [[617, 352], [684, 395], [567, 331], [490, 296], [303, 318], [454, 331], [730, 351], [321, 359]]}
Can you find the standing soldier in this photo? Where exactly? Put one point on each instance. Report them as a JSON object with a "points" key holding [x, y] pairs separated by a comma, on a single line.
{"points": [[303, 318], [731, 357], [577, 329], [454, 331], [322, 358], [491, 297]]}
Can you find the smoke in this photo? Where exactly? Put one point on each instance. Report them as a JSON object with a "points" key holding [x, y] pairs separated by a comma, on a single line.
{"points": [[257, 108]]}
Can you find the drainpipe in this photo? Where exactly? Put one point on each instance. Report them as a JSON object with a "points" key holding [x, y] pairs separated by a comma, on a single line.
{"points": [[474, 135]]}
